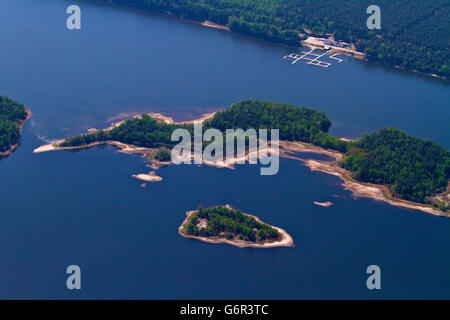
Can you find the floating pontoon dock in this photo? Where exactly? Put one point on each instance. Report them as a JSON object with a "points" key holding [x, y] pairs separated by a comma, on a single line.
{"points": [[313, 58]]}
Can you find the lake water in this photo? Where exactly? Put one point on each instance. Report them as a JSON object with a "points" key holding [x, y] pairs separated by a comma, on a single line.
{"points": [[84, 208]]}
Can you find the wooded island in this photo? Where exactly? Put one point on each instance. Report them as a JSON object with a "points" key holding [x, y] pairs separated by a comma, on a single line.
{"points": [[223, 224], [414, 34]]}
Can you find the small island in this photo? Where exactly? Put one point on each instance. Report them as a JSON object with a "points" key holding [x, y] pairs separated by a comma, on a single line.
{"points": [[223, 224], [13, 117], [323, 204]]}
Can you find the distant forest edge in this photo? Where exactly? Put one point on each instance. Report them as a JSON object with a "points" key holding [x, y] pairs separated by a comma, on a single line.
{"points": [[413, 169], [414, 35], [12, 115]]}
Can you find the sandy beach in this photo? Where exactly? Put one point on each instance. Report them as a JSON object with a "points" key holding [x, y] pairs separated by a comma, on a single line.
{"points": [[208, 24], [324, 204], [211, 24], [123, 147], [150, 177], [285, 239], [318, 43], [359, 189]]}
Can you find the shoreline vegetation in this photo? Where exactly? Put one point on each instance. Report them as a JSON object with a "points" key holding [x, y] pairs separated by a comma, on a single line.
{"points": [[404, 44], [223, 224], [387, 165], [13, 117], [310, 41], [358, 188]]}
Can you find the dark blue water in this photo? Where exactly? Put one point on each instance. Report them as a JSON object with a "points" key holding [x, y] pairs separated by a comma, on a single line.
{"points": [[83, 208]]}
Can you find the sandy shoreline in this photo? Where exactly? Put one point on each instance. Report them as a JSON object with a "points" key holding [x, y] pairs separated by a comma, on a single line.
{"points": [[285, 241], [211, 24], [318, 43], [125, 148], [359, 189], [20, 124], [207, 23], [444, 196], [150, 177]]}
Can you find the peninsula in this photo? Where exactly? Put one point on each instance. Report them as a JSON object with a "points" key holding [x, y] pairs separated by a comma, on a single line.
{"points": [[223, 224], [387, 165], [13, 117]]}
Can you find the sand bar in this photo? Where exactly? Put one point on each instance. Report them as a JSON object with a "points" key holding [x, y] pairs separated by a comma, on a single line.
{"points": [[323, 204], [359, 189]]}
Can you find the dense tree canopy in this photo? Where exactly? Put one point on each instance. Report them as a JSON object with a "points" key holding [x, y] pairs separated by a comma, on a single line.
{"points": [[415, 34], [294, 123], [162, 154], [413, 168], [11, 113], [141, 131], [232, 224]]}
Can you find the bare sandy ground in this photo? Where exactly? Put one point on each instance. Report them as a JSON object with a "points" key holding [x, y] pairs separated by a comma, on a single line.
{"points": [[204, 118], [150, 177], [323, 204], [285, 239], [161, 118], [128, 148], [20, 124], [168, 120], [230, 163], [211, 24], [444, 196], [313, 42], [359, 189], [50, 147]]}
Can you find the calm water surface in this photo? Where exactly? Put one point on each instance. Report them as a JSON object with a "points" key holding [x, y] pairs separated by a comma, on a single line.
{"points": [[83, 208]]}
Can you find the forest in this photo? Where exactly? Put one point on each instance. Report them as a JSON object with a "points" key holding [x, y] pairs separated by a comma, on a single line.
{"points": [[294, 123], [11, 113], [232, 224], [413, 168], [141, 131], [414, 34]]}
